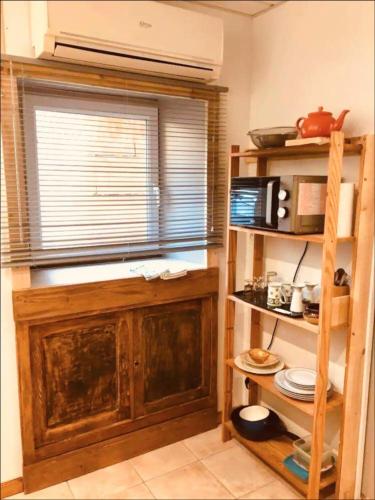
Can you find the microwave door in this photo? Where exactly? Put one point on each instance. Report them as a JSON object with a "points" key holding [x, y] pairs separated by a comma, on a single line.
{"points": [[248, 206]]}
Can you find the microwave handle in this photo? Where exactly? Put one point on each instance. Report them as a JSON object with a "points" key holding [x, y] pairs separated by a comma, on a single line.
{"points": [[271, 185]]}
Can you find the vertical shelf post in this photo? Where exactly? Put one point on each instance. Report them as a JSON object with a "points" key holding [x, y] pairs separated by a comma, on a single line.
{"points": [[255, 324], [230, 285], [359, 304], [328, 270]]}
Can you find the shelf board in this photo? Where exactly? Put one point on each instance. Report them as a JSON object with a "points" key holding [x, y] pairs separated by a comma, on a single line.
{"points": [[299, 322], [294, 152], [267, 383], [313, 238], [273, 452]]}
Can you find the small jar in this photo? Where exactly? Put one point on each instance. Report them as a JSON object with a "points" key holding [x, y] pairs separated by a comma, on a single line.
{"points": [[249, 289], [311, 313]]}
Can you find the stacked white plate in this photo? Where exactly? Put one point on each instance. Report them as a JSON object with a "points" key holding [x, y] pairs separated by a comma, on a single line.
{"points": [[244, 362], [298, 383]]}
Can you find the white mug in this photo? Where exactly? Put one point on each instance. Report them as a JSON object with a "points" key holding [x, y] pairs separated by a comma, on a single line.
{"points": [[275, 296]]}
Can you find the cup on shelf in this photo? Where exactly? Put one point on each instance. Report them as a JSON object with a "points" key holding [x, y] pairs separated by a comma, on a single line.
{"points": [[274, 295]]}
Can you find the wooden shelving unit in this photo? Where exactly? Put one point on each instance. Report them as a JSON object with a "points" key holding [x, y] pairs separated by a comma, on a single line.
{"points": [[336, 312]]}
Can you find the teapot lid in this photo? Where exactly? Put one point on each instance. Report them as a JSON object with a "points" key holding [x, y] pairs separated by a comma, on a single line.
{"points": [[320, 112]]}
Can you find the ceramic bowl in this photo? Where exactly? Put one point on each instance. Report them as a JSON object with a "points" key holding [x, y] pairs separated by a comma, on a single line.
{"points": [[256, 422], [259, 355]]}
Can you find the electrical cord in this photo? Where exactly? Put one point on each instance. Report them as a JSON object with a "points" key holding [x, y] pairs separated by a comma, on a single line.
{"points": [[294, 278]]}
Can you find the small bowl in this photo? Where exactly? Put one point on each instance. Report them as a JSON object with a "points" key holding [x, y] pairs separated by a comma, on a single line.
{"points": [[274, 137], [259, 355], [257, 422], [311, 313]]}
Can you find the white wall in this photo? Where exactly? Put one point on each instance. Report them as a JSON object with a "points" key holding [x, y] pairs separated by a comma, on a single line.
{"points": [[306, 54], [11, 450], [235, 75]]}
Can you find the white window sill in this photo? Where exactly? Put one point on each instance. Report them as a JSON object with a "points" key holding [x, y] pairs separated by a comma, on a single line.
{"points": [[73, 275]]}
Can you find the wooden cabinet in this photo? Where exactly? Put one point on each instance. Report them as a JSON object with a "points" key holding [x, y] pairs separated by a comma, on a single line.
{"points": [[173, 355], [80, 376], [110, 370]]}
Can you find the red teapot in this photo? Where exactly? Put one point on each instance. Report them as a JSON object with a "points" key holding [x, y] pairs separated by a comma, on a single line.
{"points": [[320, 123]]}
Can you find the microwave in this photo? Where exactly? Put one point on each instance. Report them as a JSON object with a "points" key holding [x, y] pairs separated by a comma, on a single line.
{"points": [[289, 203]]}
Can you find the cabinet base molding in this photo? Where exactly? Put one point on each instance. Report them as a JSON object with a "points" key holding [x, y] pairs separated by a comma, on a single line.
{"points": [[12, 487], [82, 461]]}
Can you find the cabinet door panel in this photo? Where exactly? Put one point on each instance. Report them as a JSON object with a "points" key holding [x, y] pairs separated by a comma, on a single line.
{"points": [[80, 372], [73, 361], [172, 354]]}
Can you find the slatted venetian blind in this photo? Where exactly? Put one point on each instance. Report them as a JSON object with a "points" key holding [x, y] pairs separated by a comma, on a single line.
{"points": [[108, 172]]}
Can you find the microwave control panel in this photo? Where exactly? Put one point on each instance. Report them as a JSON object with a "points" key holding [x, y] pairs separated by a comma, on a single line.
{"points": [[302, 203]]}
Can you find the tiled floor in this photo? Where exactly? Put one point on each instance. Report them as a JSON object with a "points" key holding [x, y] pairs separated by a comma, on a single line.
{"points": [[201, 467]]}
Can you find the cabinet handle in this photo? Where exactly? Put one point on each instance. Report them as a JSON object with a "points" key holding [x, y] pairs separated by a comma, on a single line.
{"points": [[136, 363]]}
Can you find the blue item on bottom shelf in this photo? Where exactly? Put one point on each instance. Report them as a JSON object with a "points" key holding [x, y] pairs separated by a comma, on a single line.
{"points": [[295, 469]]}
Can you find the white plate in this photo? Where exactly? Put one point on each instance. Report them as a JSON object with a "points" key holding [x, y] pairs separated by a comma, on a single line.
{"points": [[282, 382], [301, 377], [300, 397], [238, 361], [295, 396]]}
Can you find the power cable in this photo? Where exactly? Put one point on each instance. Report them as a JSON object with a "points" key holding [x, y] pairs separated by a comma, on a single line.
{"points": [[294, 278]]}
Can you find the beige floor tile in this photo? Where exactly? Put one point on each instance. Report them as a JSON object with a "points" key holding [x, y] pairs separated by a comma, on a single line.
{"points": [[238, 470], [277, 490], [208, 443], [104, 482], [192, 481], [57, 492], [139, 492], [158, 462]]}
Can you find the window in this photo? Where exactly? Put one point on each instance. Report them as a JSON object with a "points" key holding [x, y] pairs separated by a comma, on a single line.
{"points": [[92, 174], [105, 173]]}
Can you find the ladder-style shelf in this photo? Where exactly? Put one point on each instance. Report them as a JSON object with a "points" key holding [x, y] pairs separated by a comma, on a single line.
{"points": [[273, 452], [339, 318], [335, 312], [351, 147], [312, 238], [267, 382]]}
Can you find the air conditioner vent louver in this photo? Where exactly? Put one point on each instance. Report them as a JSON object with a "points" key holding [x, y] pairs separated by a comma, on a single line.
{"points": [[129, 56]]}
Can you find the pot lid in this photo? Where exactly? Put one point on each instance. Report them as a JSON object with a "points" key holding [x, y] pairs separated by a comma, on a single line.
{"points": [[320, 112]]}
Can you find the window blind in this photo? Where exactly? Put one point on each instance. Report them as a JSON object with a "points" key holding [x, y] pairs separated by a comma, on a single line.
{"points": [[93, 174]]}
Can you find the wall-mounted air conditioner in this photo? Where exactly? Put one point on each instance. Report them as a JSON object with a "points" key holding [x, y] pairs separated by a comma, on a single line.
{"points": [[139, 36]]}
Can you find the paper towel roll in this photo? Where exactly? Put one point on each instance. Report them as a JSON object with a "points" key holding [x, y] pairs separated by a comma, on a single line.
{"points": [[345, 219]]}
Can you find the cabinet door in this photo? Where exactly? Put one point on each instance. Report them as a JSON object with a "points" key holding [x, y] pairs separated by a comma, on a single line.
{"points": [[173, 354], [80, 375]]}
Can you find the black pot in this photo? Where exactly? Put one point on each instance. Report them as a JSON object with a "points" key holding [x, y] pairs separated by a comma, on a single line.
{"points": [[268, 427]]}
